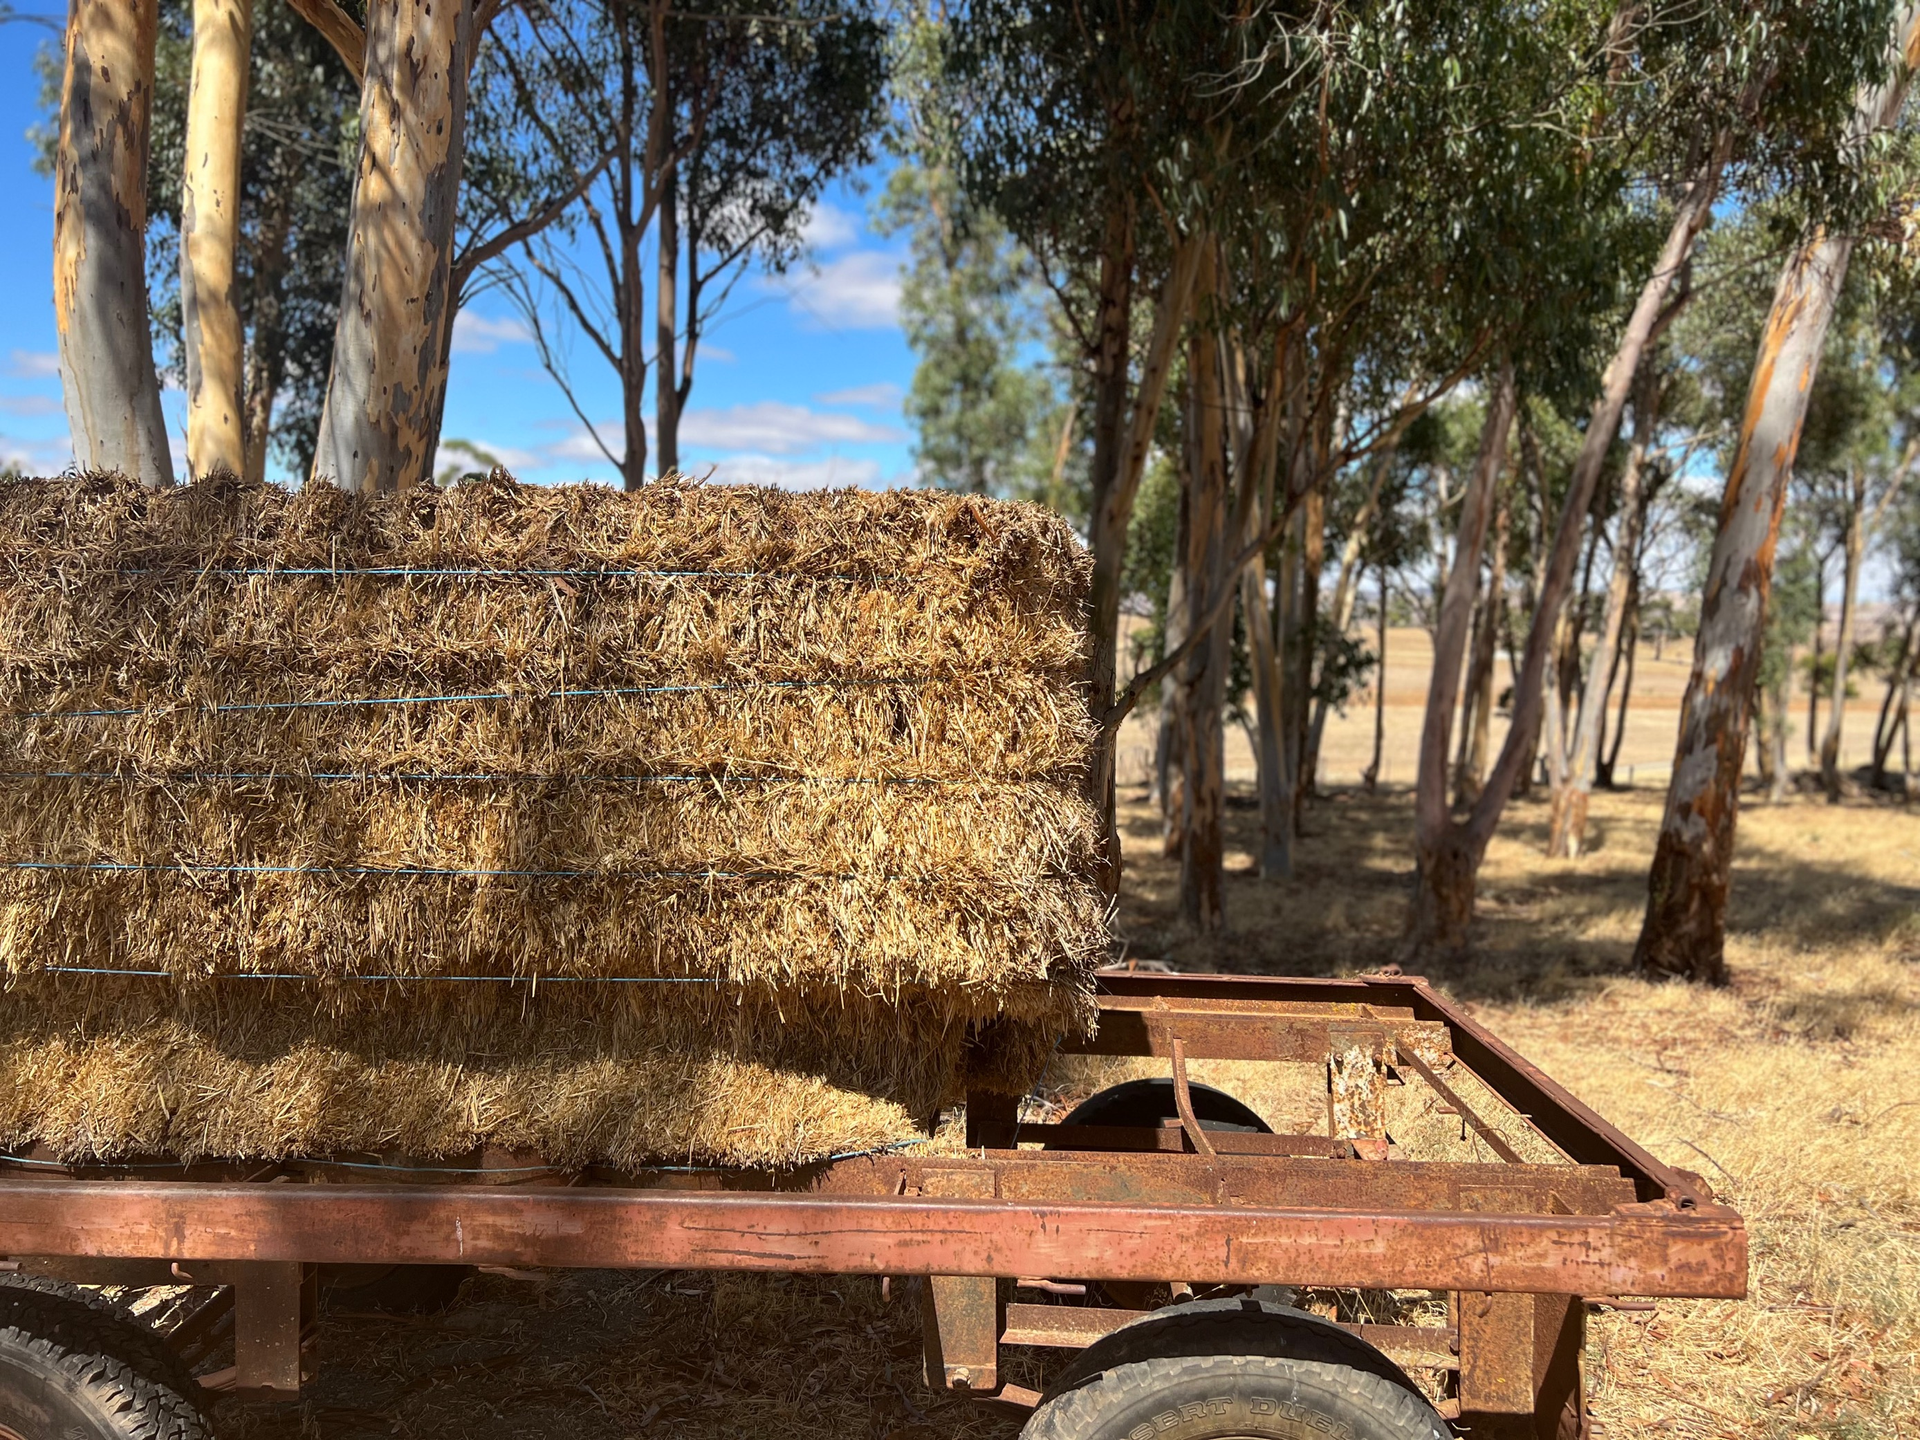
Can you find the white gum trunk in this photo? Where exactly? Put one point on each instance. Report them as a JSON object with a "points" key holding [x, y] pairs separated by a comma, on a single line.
{"points": [[209, 234], [99, 242], [380, 424], [1684, 933]]}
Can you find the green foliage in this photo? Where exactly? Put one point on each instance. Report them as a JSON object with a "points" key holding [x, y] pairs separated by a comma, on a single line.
{"points": [[988, 414], [1793, 609], [1152, 535], [984, 412]]}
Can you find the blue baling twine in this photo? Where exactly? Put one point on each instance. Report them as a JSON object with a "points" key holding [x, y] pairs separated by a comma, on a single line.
{"points": [[390, 571], [481, 695], [411, 776], [891, 1149], [387, 979], [421, 872]]}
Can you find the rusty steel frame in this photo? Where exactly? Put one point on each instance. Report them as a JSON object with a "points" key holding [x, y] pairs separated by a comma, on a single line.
{"points": [[1516, 1244]]}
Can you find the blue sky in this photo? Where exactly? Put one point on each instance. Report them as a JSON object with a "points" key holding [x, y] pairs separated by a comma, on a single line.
{"points": [[799, 382]]}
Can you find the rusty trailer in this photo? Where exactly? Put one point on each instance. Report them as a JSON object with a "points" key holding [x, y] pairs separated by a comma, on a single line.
{"points": [[1140, 1243]]}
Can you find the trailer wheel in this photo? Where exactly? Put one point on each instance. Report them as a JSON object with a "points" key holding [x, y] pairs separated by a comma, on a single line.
{"points": [[70, 1370], [1233, 1370], [1150, 1101]]}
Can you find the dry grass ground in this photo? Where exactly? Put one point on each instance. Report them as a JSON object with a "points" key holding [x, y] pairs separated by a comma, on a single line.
{"points": [[1792, 1091]]}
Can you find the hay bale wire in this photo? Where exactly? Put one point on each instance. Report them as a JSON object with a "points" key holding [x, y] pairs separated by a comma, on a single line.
{"points": [[825, 748]]}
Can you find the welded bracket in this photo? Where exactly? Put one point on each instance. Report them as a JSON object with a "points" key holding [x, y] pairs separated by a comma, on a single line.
{"points": [[960, 1314], [1498, 1364], [1356, 1087]]}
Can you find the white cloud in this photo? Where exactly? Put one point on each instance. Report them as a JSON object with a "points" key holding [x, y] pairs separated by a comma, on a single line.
{"points": [[578, 447], [35, 457], [33, 364], [464, 455], [829, 228], [833, 473], [881, 395], [776, 428], [477, 335], [717, 352], [28, 405], [858, 291]]}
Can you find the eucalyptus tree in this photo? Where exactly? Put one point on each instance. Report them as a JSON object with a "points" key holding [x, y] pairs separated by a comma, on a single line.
{"points": [[713, 133], [209, 236], [971, 304], [1684, 933], [99, 260], [1084, 131], [1694, 100], [295, 189]]}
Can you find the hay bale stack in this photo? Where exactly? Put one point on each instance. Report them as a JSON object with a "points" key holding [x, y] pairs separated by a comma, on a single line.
{"points": [[707, 823]]}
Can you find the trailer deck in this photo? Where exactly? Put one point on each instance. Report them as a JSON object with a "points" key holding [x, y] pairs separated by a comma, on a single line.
{"points": [[1034, 1209]]}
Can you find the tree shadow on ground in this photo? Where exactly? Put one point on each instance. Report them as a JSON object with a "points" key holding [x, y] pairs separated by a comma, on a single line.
{"points": [[1545, 931]]}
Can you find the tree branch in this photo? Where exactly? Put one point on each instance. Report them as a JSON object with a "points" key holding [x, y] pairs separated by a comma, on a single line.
{"points": [[1216, 606], [525, 229], [340, 30]]}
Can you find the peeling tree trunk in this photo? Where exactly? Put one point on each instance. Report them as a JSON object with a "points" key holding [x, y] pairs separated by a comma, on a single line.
{"points": [[266, 355], [1684, 933], [1201, 687], [1439, 915], [1898, 679], [666, 370], [1122, 437], [379, 427], [1855, 548], [1371, 777], [1476, 721], [1313, 554], [1565, 838], [666, 391], [209, 237], [99, 241], [1346, 587], [1819, 652], [1255, 443], [1443, 893], [1604, 768]]}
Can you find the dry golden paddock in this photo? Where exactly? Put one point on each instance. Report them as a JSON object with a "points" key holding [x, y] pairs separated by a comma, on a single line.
{"points": [[1792, 1091]]}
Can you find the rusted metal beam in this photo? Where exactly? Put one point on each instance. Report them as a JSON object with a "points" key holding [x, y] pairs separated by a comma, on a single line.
{"points": [[960, 1314], [1162, 1178], [1074, 1327], [1183, 1101], [1255, 1028], [1583, 1135], [1495, 1140], [1171, 1139], [1496, 1353], [1356, 1088], [1069, 1327], [1637, 1250]]}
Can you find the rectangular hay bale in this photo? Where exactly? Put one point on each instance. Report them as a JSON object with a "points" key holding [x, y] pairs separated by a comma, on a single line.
{"points": [[706, 823]]}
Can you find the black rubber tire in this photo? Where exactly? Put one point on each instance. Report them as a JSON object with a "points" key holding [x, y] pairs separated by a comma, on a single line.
{"points": [[74, 1368], [1149, 1101], [136, 1342], [1237, 1368]]}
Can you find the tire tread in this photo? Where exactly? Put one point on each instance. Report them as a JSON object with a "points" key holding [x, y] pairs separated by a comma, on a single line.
{"points": [[126, 1367]]}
